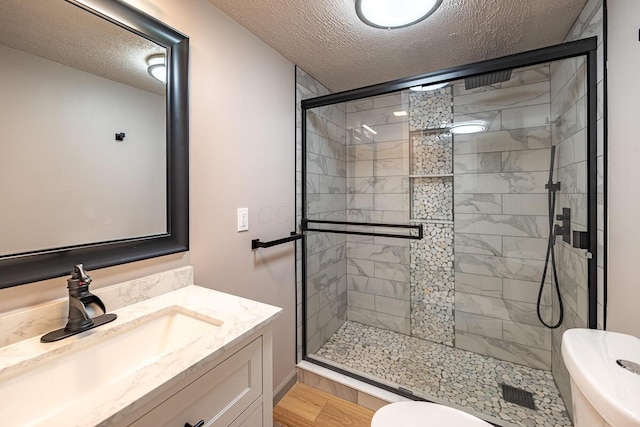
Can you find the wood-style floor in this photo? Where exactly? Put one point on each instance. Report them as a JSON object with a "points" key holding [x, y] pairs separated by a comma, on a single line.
{"points": [[305, 406]]}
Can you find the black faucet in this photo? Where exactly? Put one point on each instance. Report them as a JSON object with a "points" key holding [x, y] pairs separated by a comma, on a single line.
{"points": [[83, 305], [86, 311]]}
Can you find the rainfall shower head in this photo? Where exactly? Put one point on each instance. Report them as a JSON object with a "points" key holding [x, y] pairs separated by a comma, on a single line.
{"points": [[487, 79]]}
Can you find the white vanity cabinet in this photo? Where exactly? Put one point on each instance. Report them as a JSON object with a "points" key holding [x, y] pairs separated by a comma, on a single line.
{"points": [[235, 390], [174, 359]]}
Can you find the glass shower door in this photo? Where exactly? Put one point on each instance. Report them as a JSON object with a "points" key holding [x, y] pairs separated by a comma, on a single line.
{"points": [[357, 217], [432, 215]]}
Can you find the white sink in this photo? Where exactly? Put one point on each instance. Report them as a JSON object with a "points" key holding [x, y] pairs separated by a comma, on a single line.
{"points": [[591, 357], [93, 362]]}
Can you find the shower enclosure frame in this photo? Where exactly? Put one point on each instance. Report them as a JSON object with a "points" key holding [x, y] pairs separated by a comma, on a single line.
{"points": [[585, 47]]}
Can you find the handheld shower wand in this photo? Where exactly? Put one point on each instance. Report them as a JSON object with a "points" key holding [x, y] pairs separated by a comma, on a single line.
{"points": [[551, 199]]}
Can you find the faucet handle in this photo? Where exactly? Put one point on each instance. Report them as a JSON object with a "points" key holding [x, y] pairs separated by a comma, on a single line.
{"points": [[82, 275], [79, 279]]}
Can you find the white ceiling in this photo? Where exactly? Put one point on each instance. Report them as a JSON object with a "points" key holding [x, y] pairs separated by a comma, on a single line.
{"points": [[327, 40], [64, 33]]}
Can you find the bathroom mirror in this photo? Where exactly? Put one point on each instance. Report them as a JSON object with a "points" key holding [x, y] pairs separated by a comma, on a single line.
{"points": [[94, 154]]}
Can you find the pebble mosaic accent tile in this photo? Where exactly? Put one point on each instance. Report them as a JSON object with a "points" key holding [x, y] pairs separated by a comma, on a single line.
{"points": [[432, 271], [437, 371], [430, 110], [432, 285], [431, 153], [432, 198]]}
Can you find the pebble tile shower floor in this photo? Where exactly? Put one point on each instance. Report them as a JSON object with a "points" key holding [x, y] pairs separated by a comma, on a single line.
{"points": [[433, 370]]}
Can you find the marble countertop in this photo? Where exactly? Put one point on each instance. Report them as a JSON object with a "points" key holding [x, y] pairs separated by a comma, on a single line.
{"points": [[237, 318]]}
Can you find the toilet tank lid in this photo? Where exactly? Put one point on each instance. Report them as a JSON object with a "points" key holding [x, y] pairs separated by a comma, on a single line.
{"points": [[591, 358]]}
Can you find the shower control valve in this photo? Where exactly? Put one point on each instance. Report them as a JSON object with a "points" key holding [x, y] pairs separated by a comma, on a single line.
{"points": [[558, 230], [565, 229]]}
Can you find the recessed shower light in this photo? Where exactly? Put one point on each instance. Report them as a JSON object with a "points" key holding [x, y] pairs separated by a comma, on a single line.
{"points": [[157, 68], [369, 129], [399, 113], [466, 128], [394, 13], [428, 88]]}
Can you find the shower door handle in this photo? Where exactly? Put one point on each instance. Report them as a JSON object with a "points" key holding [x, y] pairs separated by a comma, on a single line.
{"points": [[417, 227]]}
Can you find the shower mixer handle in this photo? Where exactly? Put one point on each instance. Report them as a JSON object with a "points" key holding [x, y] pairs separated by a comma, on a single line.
{"points": [[564, 230]]}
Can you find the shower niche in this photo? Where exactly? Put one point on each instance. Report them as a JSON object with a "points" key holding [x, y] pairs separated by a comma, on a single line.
{"points": [[464, 154]]}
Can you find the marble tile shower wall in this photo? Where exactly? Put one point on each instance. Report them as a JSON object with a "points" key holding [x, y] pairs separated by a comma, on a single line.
{"points": [[378, 276], [569, 112], [500, 218], [326, 199]]}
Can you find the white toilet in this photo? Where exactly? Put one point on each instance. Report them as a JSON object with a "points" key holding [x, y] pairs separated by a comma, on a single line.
{"points": [[421, 414], [605, 377]]}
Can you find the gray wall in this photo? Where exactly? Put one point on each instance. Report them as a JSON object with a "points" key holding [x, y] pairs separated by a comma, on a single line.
{"points": [[261, 169], [623, 59]]}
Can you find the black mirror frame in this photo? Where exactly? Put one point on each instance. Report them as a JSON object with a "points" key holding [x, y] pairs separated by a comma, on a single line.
{"points": [[41, 265]]}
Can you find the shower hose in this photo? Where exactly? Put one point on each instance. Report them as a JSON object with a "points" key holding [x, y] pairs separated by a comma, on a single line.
{"points": [[551, 198]]}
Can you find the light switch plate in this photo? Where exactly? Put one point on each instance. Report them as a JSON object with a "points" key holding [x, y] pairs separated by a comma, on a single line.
{"points": [[243, 219]]}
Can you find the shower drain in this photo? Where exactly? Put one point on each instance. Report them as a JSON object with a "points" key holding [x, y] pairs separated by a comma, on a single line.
{"points": [[518, 396]]}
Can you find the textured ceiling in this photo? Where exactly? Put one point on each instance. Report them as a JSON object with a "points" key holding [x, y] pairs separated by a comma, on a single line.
{"points": [[64, 33], [327, 40]]}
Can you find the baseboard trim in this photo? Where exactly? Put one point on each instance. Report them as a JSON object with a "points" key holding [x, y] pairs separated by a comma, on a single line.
{"points": [[284, 387]]}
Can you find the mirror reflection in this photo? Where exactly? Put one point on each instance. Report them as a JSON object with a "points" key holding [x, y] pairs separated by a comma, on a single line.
{"points": [[83, 148]]}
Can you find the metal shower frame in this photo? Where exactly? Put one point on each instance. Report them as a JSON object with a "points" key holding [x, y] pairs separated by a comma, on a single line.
{"points": [[585, 47]]}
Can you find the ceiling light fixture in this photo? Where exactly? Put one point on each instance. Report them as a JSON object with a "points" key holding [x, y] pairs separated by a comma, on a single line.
{"points": [[390, 14], [399, 113], [428, 88], [369, 129], [468, 127], [157, 68]]}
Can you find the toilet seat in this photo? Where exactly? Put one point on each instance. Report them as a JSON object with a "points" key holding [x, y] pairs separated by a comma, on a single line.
{"points": [[421, 414]]}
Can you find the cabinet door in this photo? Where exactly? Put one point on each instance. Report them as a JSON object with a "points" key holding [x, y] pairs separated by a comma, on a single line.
{"points": [[217, 397]]}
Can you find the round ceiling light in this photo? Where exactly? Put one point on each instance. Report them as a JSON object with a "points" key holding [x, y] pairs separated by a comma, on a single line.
{"points": [[394, 13], [428, 88], [157, 68], [469, 127]]}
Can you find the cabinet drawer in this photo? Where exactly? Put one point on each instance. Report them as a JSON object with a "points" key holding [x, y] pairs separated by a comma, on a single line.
{"points": [[217, 397], [251, 418]]}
